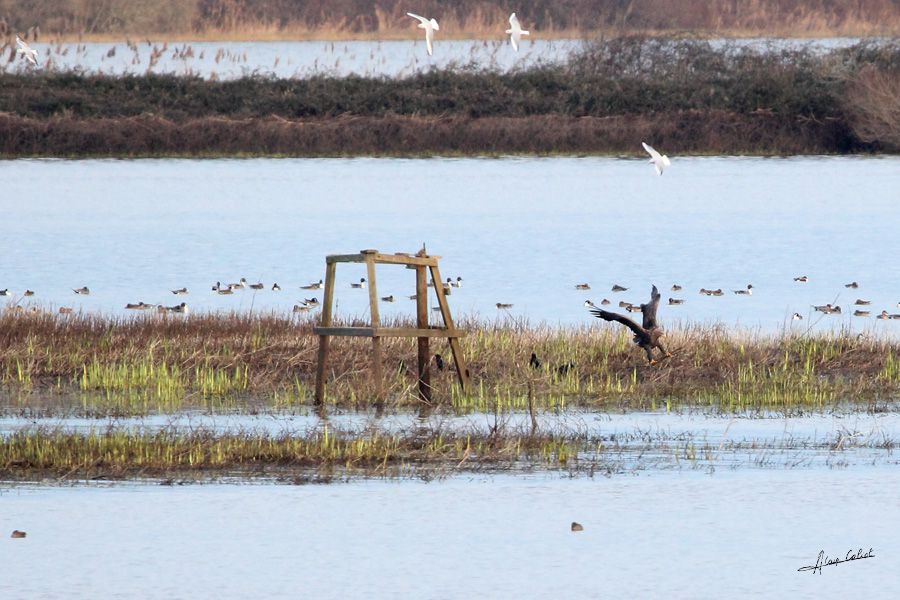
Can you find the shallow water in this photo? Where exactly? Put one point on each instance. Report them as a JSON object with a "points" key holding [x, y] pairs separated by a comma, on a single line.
{"points": [[614, 443], [701, 425], [518, 230], [735, 535], [230, 60]]}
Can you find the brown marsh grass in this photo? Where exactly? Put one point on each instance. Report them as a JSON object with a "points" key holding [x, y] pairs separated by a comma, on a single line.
{"points": [[684, 132], [142, 364]]}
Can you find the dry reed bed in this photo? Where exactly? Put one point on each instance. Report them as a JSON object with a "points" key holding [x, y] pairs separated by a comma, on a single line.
{"points": [[164, 364], [272, 19]]}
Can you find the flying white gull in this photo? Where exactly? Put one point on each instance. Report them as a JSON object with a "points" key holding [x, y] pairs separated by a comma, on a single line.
{"points": [[430, 26], [660, 161], [515, 32], [29, 53]]}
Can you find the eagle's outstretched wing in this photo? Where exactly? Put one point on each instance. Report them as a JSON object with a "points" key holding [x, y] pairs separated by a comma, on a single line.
{"points": [[649, 309], [611, 316]]}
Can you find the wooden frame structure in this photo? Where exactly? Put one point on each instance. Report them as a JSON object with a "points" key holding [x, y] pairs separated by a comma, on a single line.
{"points": [[422, 331]]}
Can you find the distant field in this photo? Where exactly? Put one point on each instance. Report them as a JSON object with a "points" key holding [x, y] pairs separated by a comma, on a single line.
{"points": [[689, 96], [323, 19]]}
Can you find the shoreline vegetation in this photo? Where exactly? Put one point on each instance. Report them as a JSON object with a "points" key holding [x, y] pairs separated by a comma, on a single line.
{"points": [[95, 365], [470, 19], [688, 96], [55, 367]]}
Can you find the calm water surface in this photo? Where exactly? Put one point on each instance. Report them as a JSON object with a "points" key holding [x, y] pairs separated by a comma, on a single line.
{"points": [[686, 535], [518, 230]]}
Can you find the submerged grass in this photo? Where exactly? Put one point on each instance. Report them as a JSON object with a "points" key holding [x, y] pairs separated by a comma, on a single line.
{"points": [[122, 453], [231, 361]]}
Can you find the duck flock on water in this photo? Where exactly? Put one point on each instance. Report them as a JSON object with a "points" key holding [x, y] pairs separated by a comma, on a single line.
{"points": [[861, 307], [826, 309]]}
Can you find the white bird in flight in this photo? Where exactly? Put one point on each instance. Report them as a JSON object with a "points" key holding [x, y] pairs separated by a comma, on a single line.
{"points": [[29, 52], [515, 32], [430, 26], [660, 161]]}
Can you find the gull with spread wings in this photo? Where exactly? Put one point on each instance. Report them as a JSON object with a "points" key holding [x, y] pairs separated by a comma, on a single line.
{"points": [[430, 26], [659, 161], [648, 335], [515, 31], [27, 51]]}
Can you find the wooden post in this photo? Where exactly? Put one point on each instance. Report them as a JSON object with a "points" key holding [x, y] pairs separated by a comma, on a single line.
{"points": [[323, 339], [461, 371], [422, 323], [376, 323]]}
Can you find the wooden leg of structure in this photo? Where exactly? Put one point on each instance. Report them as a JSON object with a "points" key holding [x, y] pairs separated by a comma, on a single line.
{"points": [[327, 301], [321, 370], [422, 322], [377, 377], [461, 371]]}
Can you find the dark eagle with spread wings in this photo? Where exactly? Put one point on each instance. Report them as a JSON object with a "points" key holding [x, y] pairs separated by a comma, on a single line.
{"points": [[648, 334]]}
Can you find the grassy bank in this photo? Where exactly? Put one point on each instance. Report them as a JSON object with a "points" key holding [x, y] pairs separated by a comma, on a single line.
{"points": [[283, 19], [99, 365], [686, 96]]}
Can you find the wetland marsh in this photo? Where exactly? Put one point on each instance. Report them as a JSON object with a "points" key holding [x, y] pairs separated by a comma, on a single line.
{"points": [[174, 453]]}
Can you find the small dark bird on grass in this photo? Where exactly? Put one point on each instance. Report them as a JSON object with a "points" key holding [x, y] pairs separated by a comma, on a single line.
{"points": [[439, 362], [648, 335], [534, 361], [564, 369]]}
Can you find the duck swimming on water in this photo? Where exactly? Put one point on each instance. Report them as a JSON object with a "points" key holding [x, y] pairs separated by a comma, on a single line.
{"points": [[648, 335]]}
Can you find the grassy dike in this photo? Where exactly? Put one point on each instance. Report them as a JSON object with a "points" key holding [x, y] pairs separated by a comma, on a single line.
{"points": [[686, 96]]}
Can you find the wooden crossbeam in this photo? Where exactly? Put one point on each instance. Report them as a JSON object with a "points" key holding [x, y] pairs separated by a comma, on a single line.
{"points": [[401, 332]]}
